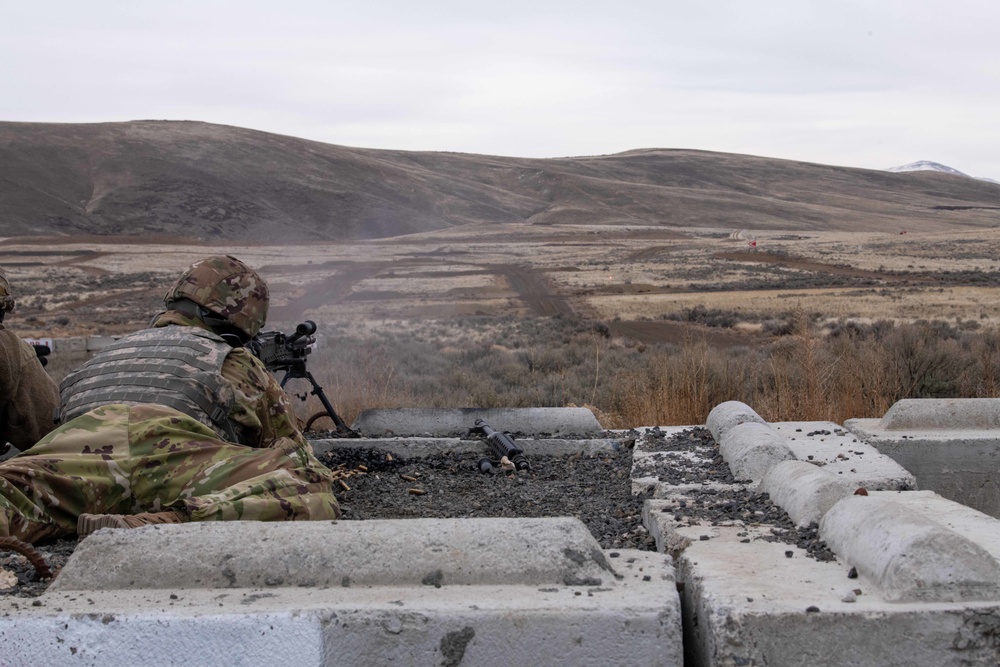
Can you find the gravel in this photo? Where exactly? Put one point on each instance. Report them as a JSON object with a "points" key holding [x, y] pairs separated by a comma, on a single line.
{"points": [[692, 457], [596, 488], [55, 553]]}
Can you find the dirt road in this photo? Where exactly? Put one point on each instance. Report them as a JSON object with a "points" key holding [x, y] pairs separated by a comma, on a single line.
{"points": [[534, 290]]}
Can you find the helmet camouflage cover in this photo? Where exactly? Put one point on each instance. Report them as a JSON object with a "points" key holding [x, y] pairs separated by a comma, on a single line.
{"points": [[227, 287], [6, 297]]}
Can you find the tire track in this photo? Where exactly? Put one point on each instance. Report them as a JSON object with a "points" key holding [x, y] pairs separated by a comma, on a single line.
{"points": [[534, 290]]}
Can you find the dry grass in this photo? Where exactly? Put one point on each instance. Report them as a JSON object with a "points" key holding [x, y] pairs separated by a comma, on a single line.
{"points": [[467, 317], [856, 370], [868, 304]]}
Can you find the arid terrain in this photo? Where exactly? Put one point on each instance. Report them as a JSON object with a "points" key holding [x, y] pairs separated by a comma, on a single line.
{"points": [[649, 285], [638, 281], [222, 183]]}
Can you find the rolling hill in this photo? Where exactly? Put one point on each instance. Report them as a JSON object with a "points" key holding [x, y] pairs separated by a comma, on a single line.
{"points": [[198, 180]]}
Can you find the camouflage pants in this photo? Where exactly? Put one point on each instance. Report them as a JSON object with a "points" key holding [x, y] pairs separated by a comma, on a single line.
{"points": [[119, 459]]}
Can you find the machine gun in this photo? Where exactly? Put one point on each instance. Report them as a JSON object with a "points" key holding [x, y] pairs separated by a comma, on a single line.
{"points": [[500, 446], [288, 352]]}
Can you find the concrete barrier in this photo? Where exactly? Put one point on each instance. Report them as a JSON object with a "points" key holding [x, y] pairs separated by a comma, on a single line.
{"points": [[751, 449], [950, 447], [755, 592], [804, 491], [909, 556], [517, 591], [726, 415], [841, 453], [745, 602], [367, 553], [465, 592], [942, 413], [455, 422]]}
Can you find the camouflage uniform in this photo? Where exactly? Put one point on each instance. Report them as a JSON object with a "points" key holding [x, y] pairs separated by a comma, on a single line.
{"points": [[126, 459], [258, 407], [28, 396]]}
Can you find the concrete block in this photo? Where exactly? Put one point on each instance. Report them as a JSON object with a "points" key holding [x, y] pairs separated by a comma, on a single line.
{"points": [[841, 453], [237, 554], [749, 604], [433, 422], [822, 444], [726, 415], [947, 413], [751, 449], [973, 525], [959, 464], [228, 612], [752, 596], [803, 490], [751, 599], [908, 555]]}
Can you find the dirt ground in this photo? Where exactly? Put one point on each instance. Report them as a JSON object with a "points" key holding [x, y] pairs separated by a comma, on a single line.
{"points": [[621, 276]]}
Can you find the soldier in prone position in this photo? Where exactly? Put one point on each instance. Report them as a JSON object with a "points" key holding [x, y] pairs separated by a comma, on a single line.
{"points": [[28, 396], [178, 422]]}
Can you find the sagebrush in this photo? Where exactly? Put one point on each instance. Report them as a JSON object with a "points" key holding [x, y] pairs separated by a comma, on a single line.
{"points": [[848, 370]]}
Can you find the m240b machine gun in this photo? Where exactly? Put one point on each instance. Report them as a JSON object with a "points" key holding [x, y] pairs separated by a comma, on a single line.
{"points": [[288, 352]]}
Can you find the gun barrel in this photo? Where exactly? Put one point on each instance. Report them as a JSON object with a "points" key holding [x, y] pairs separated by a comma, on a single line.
{"points": [[306, 329]]}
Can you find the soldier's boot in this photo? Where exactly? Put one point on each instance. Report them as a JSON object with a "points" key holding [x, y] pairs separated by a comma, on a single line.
{"points": [[88, 523]]}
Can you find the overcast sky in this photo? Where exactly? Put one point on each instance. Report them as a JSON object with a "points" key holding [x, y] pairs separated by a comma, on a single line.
{"points": [[874, 83]]}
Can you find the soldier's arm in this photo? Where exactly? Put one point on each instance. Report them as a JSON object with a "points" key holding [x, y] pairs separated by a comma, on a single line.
{"points": [[262, 407], [31, 397]]}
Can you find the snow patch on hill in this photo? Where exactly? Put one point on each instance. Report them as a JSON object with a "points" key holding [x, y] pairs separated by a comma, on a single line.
{"points": [[927, 165]]}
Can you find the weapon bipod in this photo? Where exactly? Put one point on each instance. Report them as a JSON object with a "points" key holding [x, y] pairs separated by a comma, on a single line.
{"points": [[342, 428]]}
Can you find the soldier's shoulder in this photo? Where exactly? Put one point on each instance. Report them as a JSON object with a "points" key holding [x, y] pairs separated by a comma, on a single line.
{"points": [[244, 357]]}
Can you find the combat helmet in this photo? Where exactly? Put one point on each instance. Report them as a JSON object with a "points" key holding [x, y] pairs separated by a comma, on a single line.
{"points": [[6, 296], [227, 288]]}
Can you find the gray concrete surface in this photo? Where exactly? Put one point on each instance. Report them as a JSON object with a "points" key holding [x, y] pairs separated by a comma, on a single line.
{"points": [[413, 592], [842, 453], [749, 598], [748, 603], [947, 413], [726, 415], [363, 553], [910, 556], [455, 422], [805, 491], [948, 451], [752, 448]]}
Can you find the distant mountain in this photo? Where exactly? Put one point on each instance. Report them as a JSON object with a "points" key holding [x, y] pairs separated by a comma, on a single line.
{"points": [[205, 181], [927, 165]]}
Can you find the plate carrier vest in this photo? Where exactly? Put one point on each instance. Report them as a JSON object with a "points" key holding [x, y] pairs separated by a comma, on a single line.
{"points": [[176, 366]]}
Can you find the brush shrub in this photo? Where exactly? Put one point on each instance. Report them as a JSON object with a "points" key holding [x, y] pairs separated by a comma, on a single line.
{"points": [[804, 372]]}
